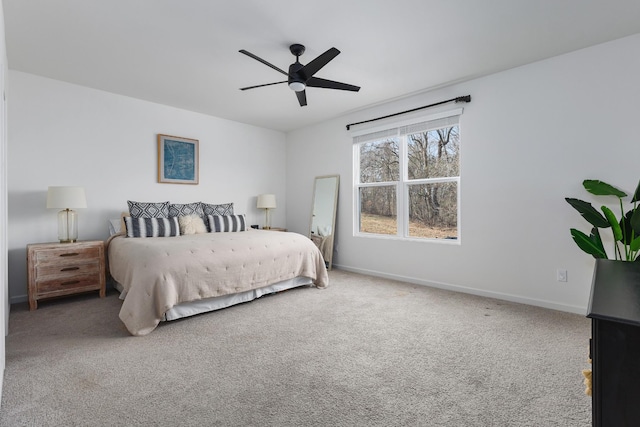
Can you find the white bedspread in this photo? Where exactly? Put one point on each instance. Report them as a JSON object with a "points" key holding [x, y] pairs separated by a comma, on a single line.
{"points": [[160, 272]]}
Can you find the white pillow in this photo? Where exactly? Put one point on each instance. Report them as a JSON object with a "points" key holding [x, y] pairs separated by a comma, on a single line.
{"points": [[191, 224], [114, 226]]}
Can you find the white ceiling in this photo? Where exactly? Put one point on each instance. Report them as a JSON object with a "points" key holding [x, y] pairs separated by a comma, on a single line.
{"points": [[184, 53]]}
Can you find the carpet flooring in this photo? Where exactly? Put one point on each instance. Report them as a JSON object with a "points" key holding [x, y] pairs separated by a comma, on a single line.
{"points": [[365, 351]]}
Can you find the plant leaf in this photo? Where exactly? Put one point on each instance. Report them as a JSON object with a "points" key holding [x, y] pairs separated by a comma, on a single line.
{"points": [[591, 246], [589, 213], [636, 195], [635, 220], [635, 244], [600, 188], [630, 232], [615, 226], [597, 240]]}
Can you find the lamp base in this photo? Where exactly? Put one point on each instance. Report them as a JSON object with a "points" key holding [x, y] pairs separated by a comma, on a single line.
{"points": [[67, 226], [267, 219]]}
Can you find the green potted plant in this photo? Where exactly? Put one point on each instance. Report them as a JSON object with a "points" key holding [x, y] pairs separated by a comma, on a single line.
{"points": [[626, 231]]}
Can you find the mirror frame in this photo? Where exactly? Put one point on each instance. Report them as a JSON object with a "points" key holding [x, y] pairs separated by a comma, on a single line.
{"points": [[328, 244]]}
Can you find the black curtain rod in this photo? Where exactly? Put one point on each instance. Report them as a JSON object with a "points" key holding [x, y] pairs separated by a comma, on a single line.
{"points": [[466, 98]]}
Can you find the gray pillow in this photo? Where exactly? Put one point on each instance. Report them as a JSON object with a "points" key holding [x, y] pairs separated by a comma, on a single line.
{"points": [[148, 209], [152, 227], [186, 209], [227, 223]]}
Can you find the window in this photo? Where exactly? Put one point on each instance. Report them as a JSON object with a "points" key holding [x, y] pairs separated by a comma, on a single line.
{"points": [[407, 180]]}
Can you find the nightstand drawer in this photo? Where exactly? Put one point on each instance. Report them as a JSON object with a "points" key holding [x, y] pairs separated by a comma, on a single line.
{"points": [[61, 270], [66, 255], [69, 283]]}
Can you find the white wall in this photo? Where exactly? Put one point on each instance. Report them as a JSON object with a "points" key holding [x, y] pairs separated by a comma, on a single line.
{"points": [[4, 287], [529, 137], [63, 134]]}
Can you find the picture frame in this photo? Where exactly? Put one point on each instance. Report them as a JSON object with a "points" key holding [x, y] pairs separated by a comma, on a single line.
{"points": [[178, 160]]}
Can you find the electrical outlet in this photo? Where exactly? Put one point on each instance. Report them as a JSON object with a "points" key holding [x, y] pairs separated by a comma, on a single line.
{"points": [[562, 275]]}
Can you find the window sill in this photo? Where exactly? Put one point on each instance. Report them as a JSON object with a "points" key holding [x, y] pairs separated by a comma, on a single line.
{"points": [[408, 239]]}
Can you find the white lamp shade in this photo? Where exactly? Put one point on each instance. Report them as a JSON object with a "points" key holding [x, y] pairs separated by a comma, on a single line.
{"points": [[66, 198], [267, 201]]}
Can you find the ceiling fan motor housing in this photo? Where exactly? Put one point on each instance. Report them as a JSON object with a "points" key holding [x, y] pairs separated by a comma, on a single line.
{"points": [[296, 81]]}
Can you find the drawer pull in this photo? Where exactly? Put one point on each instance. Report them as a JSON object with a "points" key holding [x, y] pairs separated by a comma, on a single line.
{"points": [[70, 268], [71, 282], [70, 254]]}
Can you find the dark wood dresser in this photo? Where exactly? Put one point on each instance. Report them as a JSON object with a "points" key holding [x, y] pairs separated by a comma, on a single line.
{"points": [[614, 310]]}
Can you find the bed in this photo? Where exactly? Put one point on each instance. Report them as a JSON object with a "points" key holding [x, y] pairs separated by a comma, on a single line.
{"points": [[165, 278]]}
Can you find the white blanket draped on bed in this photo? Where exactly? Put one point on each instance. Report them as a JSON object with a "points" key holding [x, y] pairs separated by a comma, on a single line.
{"points": [[160, 272]]}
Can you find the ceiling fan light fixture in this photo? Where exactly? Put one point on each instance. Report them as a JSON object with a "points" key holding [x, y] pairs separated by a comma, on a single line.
{"points": [[297, 86]]}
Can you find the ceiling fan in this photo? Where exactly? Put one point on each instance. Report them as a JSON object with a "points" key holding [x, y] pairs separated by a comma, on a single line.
{"points": [[302, 76]]}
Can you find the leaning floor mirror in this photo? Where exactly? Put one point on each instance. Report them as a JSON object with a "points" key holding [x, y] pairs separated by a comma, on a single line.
{"points": [[323, 215]]}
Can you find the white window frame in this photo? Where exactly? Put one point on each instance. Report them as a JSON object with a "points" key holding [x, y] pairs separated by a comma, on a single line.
{"points": [[402, 185]]}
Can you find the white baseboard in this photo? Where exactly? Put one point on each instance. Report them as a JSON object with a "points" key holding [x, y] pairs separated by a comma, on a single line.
{"points": [[457, 288], [440, 285]]}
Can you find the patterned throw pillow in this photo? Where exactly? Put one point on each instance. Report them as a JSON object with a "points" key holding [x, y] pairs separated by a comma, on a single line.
{"points": [[222, 209], [148, 209], [186, 209], [226, 223], [152, 227]]}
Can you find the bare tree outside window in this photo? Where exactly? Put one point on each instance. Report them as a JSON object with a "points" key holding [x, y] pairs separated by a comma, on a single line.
{"points": [[433, 210], [380, 161], [378, 210], [434, 154], [428, 195]]}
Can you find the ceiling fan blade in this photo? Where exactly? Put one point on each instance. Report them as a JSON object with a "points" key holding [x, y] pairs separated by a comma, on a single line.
{"points": [[314, 66], [330, 84], [257, 58], [266, 84], [302, 98]]}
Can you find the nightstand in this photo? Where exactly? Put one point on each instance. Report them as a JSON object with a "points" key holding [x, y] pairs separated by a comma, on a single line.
{"points": [[58, 269], [275, 229]]}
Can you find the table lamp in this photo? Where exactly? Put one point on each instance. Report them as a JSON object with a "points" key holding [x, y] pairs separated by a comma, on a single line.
{"points": [[266, 202], [67, 198]]}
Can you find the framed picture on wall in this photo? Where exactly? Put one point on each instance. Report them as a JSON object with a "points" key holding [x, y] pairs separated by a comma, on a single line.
{"points": [[177, 160]]}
